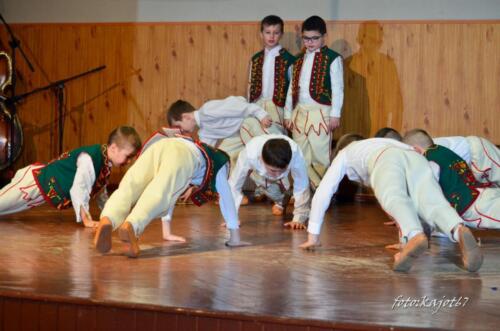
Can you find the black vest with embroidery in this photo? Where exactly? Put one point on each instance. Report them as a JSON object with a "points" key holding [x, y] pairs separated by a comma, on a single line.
{"points": [[455, 178], [56, 178], [320, 86], [281, 65]]}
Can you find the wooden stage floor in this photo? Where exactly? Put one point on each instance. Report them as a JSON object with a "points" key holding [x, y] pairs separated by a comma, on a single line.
{"points": [[346, 284]]}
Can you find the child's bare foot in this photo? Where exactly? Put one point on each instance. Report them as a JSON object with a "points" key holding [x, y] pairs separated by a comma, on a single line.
{"points": [[127, 235], [403, 261], [102, 238], [87, 220], [172, 237]]}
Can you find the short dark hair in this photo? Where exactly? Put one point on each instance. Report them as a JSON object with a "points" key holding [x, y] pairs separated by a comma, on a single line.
{"points": [[388, 133], [175, 111], [346, 140], [277, 153], [272, 20], [125, 135], [314, 23]]}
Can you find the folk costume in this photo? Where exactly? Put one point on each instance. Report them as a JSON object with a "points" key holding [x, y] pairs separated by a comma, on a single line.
{"points": [[482, 156], [315, 94], [250, 159], [477, 203], [161, 174], [269, 79], [70, 180]]}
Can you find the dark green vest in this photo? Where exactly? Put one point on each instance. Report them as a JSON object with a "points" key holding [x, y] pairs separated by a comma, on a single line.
{"points": [[56, 178], [320, 86], [455, 177], [215, 159], [281, 65]]}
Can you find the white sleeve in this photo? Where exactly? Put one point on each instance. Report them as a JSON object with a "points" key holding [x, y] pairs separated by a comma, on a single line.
{"points": [[252, 109], [325, 191], [82, 184], [226, 202], [238, 177], [337, 82], [301, 191]]}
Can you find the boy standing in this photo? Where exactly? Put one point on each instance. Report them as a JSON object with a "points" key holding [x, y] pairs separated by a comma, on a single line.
{"points": [[405, 188], [269, 74], [153, 184], [71, 179], [271, 158], [477, 203], [315, 95]]}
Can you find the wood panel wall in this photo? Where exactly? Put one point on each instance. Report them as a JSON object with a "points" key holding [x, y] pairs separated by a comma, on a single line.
{"points": [[441, 76]]}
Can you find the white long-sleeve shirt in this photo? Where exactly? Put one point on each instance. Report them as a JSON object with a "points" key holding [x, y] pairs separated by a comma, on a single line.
{"points": [[336, 81], [268, 71], [457, 144], [353, 162], [219, 119], [82, 185], [250, 159], [226, 202]]}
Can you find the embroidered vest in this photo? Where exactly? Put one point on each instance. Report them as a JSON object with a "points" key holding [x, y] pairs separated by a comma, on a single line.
{"points": [[56, 178], [455, 178], [320, 86], [215, 159], [281, 65]]}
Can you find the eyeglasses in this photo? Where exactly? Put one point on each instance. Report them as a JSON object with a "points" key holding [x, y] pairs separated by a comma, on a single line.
{"points": [[309, 39]]}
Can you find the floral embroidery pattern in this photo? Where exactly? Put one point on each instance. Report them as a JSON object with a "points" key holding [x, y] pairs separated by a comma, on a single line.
{"points": [[256, 76]]}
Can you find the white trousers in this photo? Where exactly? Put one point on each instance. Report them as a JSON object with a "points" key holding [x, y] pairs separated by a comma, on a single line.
{"points": [[310, 132], [152, 184], [277, 115], [406, 189], [485, 160], [22, 192]]}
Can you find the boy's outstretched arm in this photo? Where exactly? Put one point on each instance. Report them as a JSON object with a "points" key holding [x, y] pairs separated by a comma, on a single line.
{"points": [[81, 189], [301, 193], [322, 198], [228, 209], [166, 230]]}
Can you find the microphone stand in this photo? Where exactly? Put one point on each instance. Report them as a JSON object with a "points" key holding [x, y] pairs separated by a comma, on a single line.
{"points": [[59, 90]]}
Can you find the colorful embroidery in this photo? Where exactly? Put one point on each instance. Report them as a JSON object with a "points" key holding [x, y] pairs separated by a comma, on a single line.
{"points": [[281, 64], [256, 76], [320, 87]]}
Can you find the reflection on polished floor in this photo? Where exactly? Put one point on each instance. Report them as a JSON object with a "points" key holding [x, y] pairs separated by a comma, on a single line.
{"points": [[348, 280]]}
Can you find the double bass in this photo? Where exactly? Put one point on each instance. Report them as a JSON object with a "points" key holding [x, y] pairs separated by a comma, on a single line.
{"points": [[11, 133]]}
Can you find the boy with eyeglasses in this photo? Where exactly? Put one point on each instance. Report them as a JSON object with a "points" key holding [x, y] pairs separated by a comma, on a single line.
{"points": [[314, 99]]}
